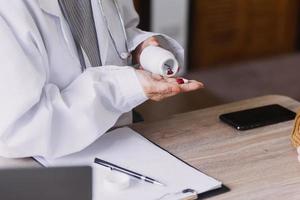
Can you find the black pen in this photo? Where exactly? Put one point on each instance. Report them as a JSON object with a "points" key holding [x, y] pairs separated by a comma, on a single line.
{"points": [[128, 172]]}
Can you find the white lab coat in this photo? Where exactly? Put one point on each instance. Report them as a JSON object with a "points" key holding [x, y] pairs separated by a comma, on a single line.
{"points": [[48, 107]]}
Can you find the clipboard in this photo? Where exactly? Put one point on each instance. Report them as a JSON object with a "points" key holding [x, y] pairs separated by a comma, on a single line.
{"points": [[192, 195], [127, 148]]}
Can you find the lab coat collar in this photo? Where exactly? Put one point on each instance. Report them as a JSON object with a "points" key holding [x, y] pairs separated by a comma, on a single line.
{"points": [[50, 6]]}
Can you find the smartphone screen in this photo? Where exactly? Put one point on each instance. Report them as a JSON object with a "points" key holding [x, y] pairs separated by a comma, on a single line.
{"points": [[258, 117]]}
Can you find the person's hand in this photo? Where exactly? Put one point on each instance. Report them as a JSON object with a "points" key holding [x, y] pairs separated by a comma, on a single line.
{"points": [[158, 88], [150, 41]]}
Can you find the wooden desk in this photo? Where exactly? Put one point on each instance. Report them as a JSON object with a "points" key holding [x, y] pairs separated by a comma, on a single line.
{"points": [[257, 164]]}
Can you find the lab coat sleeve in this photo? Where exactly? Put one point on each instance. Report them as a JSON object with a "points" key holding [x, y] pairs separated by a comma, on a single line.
{"points": [[137, 36], [39, 119]]}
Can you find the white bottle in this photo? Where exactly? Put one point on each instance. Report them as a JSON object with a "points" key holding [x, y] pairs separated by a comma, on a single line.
{"points": [[159, 61]]}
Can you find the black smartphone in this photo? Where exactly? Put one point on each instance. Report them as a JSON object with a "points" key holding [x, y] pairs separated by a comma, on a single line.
{"points": [[258, 117]]}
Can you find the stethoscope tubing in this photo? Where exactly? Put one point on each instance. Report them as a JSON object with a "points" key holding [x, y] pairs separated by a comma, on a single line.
{"points": [[124, 55]]}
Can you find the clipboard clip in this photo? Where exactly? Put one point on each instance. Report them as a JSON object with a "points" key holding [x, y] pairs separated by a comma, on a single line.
{"points": [[186, 194]]}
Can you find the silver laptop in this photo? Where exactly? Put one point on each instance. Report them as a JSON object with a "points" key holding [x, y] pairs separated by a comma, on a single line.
{"points": [[74, 183]]}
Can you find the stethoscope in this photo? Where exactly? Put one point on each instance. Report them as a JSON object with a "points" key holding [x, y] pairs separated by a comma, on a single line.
{"points": [[126, 56]]}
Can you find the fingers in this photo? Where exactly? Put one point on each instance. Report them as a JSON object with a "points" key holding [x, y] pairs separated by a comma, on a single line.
{"points": [[186, 85], [182, 81], [162, 97], [164, 89], [182, 85], [152, 41], [171, 88], [170, 80], [157, 77], [191, 86], [158, 87], [159, 97]]}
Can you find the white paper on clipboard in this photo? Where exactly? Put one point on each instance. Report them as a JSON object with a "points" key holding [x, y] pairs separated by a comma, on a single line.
{"points": [[128, 149]]}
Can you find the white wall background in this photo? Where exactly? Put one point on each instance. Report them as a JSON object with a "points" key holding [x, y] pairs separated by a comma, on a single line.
{"points": [[171, 17]]}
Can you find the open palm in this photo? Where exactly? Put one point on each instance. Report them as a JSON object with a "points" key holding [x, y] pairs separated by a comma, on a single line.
{"points": [[158, 88]]}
